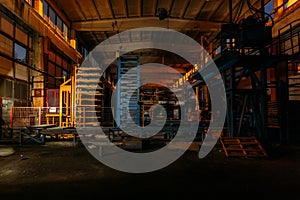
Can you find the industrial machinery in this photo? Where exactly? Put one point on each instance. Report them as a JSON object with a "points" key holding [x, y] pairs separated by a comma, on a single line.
{"points": [[250, 68]]}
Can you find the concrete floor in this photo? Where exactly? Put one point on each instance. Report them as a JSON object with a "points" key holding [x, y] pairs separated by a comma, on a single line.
{"points": [[61, 171]]}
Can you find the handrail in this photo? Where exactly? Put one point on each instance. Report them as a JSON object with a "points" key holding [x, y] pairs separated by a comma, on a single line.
{"points": [[288, 33], [290, 24]]}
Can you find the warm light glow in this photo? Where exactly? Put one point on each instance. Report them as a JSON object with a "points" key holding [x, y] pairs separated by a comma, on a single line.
{"points": [[196, 67], [73, 43], [291, 2]]}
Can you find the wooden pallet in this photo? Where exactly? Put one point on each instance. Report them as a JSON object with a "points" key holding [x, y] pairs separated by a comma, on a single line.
{"points": [[242, 147]]}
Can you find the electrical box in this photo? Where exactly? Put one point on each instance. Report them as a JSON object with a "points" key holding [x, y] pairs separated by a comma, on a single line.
{"points": [[52, 97], [254, 36]]}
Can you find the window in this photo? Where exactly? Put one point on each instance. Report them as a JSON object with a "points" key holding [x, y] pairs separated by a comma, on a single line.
{"points": [[55, 20], [2, 87], [20, 53], [31, 2], [219, 49], [45, 8], [65, 74], [59, 23], [65, 31], [81, 49], [5, 87], [52, 15], [20, 91], [269, 8]]}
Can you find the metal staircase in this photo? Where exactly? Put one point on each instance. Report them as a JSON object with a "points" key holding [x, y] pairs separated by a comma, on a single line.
{"points": [[273, 115], [128, 84], [289, 45], [88, 97]]}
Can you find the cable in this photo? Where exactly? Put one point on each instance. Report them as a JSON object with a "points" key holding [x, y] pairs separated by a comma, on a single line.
{"points": [[257, 11]]}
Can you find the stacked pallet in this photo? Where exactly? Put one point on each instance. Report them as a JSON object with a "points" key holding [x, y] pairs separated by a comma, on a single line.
{"points": [[242, 147]]}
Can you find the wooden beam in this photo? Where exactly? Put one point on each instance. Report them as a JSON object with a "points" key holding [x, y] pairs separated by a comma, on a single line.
{"points": [[199, 11], [215, 11], [130, 23], [171, 7], [155, 4], [96, 7], [187, 4], [111, 9], [79, 7], [126, 8], [140, 6]]}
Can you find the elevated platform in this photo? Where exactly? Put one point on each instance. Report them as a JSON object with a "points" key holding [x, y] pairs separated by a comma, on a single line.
{"points": [[39, 133]]}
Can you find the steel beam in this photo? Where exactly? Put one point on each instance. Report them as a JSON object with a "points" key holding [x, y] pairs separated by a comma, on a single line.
{"points": [[130, 23]]}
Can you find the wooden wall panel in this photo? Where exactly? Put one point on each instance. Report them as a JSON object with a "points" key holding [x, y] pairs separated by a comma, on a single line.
{"points": [[6, 67], [58, 72], [21, 36], [21, 72], [51, 56], [58, 61], [51, 68], [51, 82], [6, 26], [6, 45], [65, 65]]}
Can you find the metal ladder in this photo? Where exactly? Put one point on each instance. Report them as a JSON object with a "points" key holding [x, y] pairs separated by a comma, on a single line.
{"points": [[129, 83]]}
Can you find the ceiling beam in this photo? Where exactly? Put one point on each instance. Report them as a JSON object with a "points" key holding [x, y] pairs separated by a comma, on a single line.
{"points": [[111, 8], [187, 4], [79, 7], [200, 9], [171, 7], [126, 8], [140, 8], [96, 7], [131, 23], [215, 11], [154, 8]]}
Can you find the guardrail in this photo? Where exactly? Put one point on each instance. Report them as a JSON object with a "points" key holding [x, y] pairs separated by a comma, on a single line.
{"points": [[21, 117]]}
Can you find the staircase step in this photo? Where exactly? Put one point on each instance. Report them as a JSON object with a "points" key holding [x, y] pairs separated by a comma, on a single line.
{"points": [[91, 93]]}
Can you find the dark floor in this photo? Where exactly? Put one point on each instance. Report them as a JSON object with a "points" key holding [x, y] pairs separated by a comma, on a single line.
{"points": [[56, 171]]}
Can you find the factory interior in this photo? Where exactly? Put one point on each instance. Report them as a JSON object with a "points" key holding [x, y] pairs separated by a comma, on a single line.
{"points": [[53, 84]]}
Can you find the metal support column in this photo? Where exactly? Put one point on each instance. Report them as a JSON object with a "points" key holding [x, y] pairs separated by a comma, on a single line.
{"points": [[231, 125], [118, 94], [264, 103], [138, 90]]}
